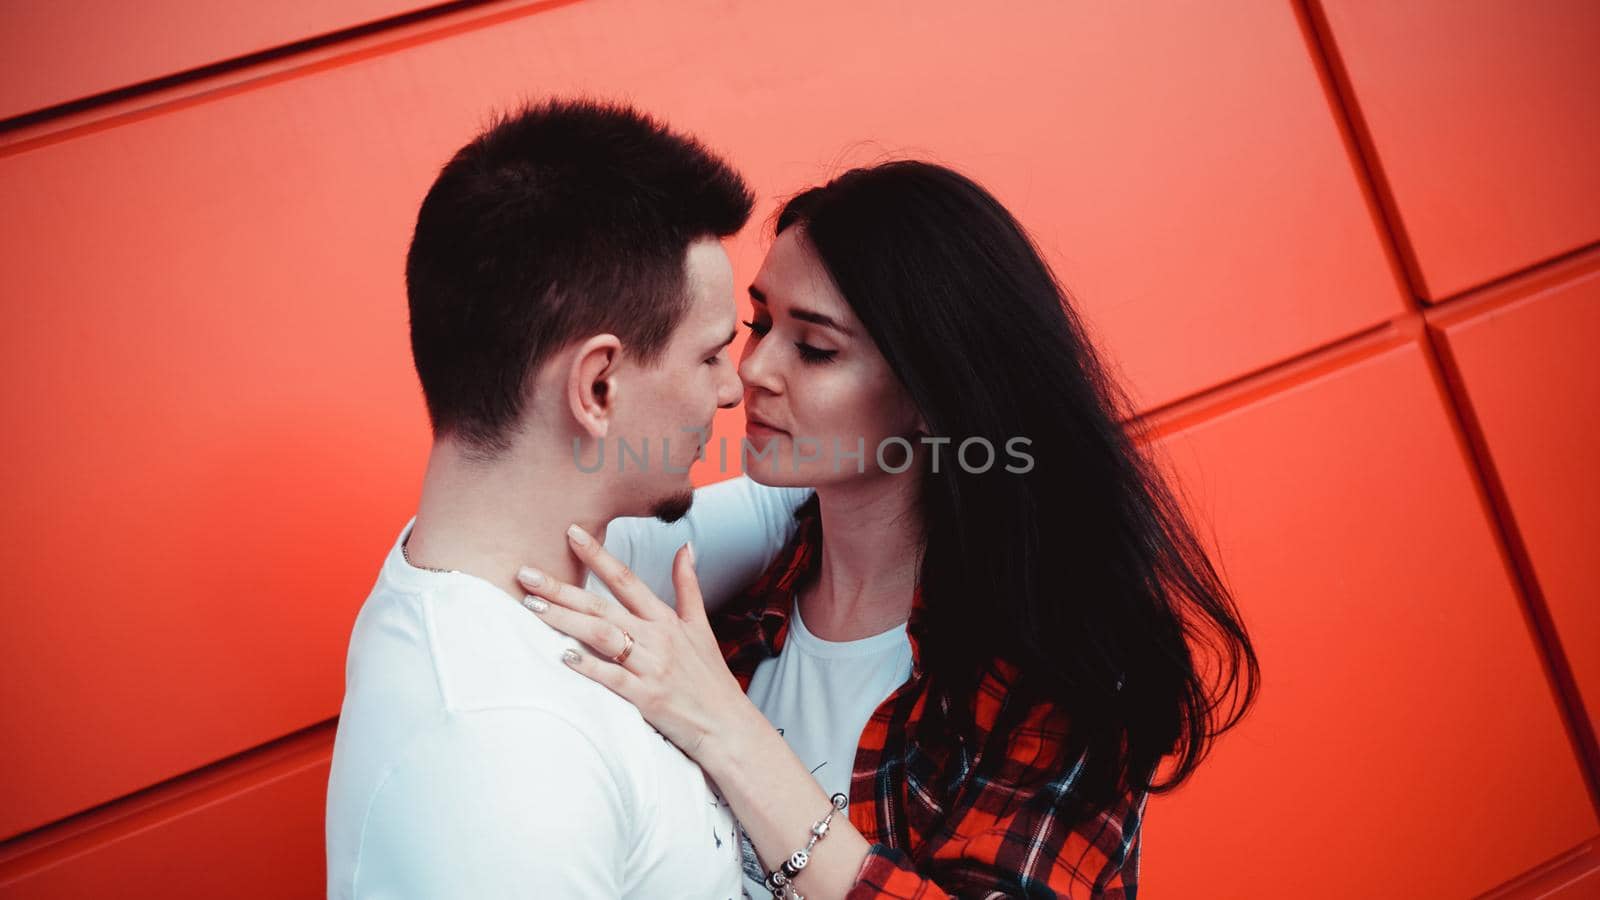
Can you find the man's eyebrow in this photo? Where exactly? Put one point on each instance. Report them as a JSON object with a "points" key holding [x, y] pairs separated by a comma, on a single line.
{"points": [[714, 349], [804, 315]]}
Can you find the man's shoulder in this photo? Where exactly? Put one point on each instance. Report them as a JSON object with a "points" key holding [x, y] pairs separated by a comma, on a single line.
{"points": [[440, 682], [530, 745], [479, 649], [459, 808], [435, 672]]}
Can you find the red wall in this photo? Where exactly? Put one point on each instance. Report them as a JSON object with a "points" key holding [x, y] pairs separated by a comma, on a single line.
{"points": [[1346, 254]]}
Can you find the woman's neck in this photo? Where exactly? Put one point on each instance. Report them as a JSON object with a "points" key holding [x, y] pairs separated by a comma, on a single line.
{"points": [[871, 550]]}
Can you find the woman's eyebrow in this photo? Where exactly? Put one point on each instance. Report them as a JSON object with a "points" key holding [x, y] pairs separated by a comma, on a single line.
{"points": [[805, 315]]}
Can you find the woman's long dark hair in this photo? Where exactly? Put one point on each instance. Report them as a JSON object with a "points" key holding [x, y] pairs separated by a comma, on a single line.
{"points": [[1083, 573]]}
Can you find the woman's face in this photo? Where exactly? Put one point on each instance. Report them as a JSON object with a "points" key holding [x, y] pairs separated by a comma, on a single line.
{"points": [[820, 401]]}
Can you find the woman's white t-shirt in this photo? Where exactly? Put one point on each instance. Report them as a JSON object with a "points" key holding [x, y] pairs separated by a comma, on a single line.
{"points": [[819, 695]]}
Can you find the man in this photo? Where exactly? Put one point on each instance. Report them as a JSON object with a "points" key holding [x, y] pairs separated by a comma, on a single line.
{"points": [[569, 295]]}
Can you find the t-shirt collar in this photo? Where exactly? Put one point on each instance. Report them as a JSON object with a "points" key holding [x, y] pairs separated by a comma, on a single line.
{"points": [[797, 566]]}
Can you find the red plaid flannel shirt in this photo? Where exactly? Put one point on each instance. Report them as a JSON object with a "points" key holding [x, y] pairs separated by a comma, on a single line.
{"points": [[943, 815]]}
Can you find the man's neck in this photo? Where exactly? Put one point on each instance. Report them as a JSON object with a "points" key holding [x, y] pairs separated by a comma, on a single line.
{"points": [[872, 538], [488, 519]]}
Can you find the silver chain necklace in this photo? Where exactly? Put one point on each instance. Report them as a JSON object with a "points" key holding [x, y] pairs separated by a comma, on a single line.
{"points": [[406, 555]]}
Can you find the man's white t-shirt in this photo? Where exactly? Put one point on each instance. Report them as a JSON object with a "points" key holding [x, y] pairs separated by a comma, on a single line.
{"points": [[471, 762], [819, 695]]}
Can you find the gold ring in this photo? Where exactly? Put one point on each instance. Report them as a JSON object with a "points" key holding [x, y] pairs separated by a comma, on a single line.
{"points": [[627, 647]]}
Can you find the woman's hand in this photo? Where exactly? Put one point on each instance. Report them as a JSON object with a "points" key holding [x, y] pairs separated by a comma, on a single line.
{"points": [[673, 671]]}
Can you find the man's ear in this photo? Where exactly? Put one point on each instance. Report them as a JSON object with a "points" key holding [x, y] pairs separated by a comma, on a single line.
{"points": [[592, 384]]}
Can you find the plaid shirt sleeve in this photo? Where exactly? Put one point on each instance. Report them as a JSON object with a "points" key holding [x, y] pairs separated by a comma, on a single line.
{"points": [[1030, 855], [1004, 825]]}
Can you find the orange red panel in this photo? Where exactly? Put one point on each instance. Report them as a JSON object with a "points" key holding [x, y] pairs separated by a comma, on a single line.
{"points": [[1482, 119], [258, 835], [52, 53], [1528, 367], [1407, 736]]}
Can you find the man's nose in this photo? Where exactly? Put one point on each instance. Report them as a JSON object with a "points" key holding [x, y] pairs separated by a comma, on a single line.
{"points": [[729, 389]]}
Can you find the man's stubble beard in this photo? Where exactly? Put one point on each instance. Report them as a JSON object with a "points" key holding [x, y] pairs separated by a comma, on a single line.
{"points": [[673, 508], [677, 506]]}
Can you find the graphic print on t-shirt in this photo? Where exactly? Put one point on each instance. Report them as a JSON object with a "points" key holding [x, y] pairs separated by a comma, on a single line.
{"points": [[819, 695], [717, 801]]}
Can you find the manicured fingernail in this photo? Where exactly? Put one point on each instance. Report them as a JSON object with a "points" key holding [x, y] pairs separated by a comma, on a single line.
{"points": [[530, 576], [690, 545], [536, 604], [578, 535], [571, 657]]}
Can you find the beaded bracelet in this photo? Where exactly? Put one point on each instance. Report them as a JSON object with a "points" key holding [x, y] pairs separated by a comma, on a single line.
{"points": [[780, 881]]}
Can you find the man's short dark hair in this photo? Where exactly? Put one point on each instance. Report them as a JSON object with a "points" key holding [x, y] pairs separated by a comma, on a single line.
{"points": [[563, 219]]}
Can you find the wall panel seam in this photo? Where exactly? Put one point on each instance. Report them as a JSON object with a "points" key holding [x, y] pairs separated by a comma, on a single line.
{"points": [[30, 131], [25, 854]]}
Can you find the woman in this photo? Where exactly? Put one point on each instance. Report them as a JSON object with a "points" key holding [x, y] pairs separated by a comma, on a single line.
{"points": [[982, 633]]}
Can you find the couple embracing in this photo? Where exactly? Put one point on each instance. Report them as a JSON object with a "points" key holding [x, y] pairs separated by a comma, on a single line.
{"points": [[935, 641]]}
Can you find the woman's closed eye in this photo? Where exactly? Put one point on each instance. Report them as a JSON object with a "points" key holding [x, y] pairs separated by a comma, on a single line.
{"points": [[812, 354], [808, 353]]}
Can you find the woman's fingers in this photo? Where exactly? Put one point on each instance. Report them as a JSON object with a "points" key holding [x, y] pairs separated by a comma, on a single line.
{"points": [[691, 606], [672, 670], [607, 639], [609, 629], [621, 682], [624, 584], [575, 598]]}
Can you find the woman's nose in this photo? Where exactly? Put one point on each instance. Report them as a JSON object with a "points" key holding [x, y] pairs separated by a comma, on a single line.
{"points": [[754, 371]]}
